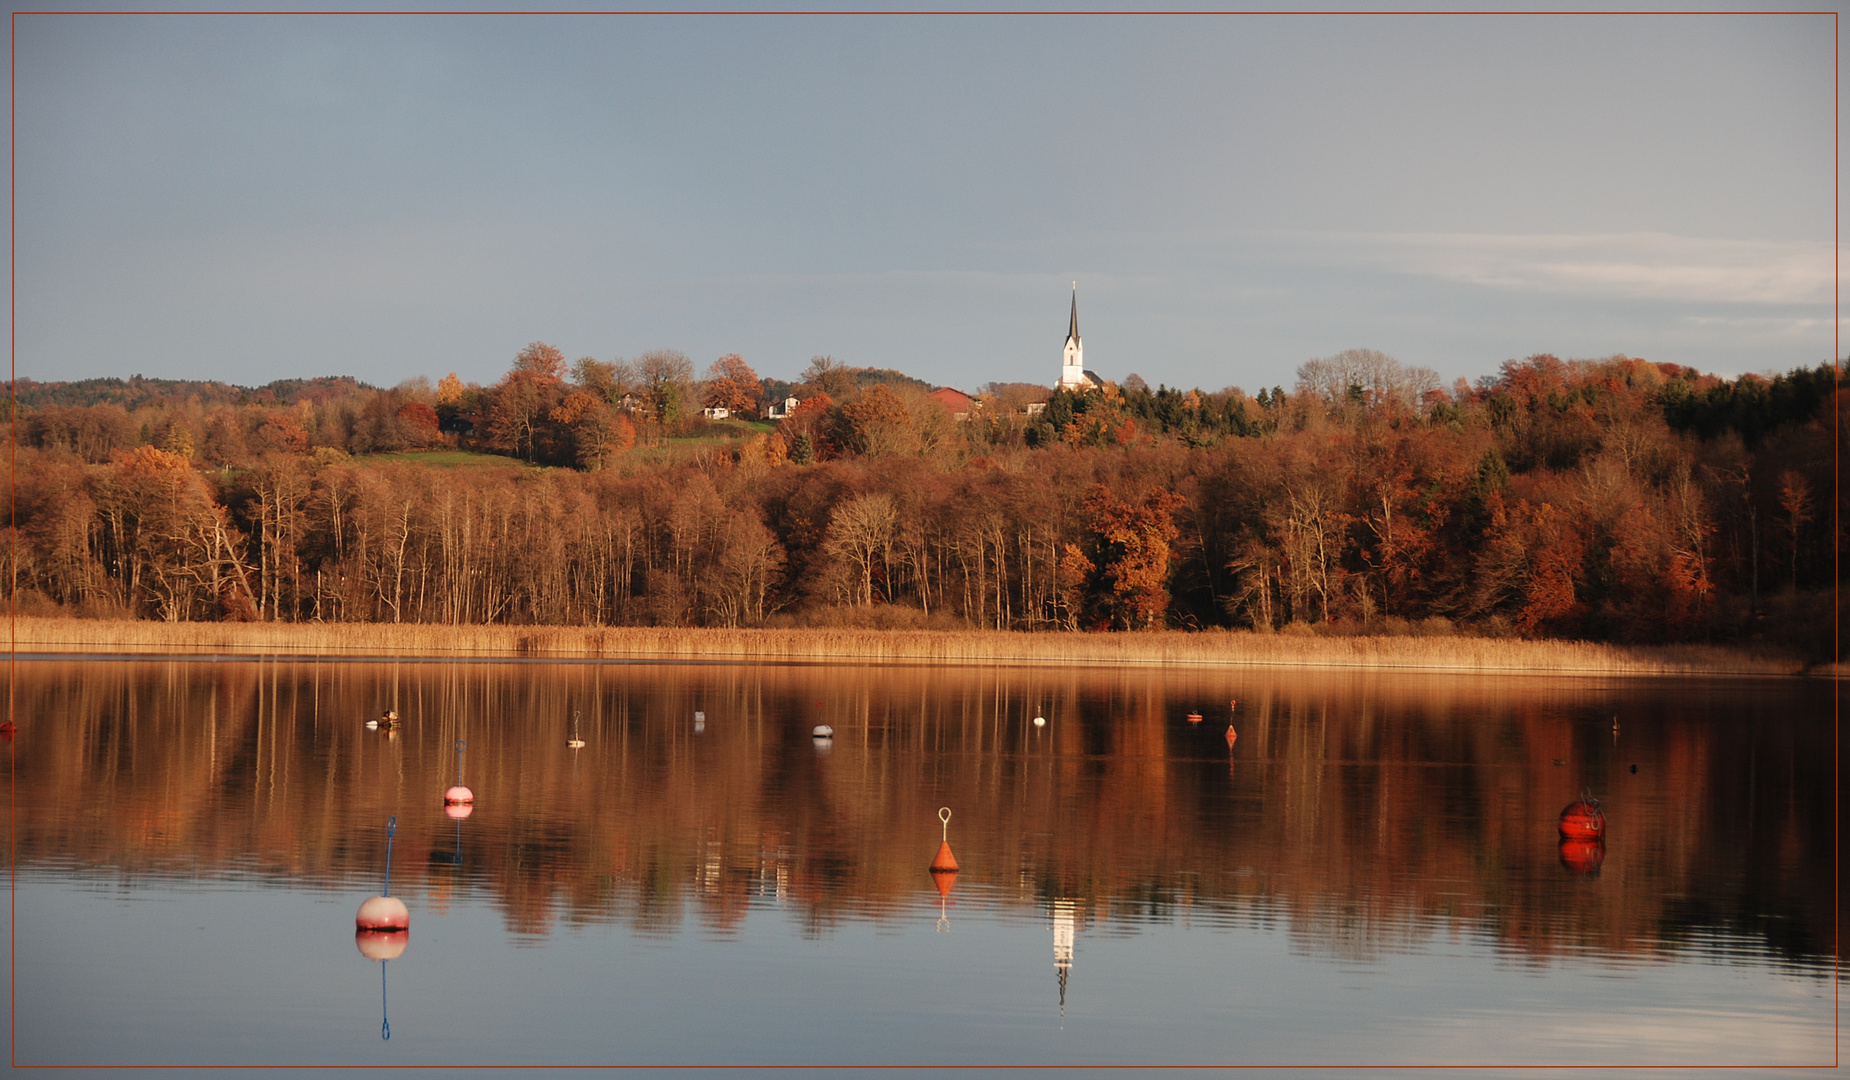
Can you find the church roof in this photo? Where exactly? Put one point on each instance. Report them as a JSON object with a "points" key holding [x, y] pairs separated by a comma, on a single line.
{"points": [[1073, 334]]}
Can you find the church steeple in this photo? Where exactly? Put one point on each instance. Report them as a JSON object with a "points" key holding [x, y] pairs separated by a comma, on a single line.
{"points": [[1073, 373]]}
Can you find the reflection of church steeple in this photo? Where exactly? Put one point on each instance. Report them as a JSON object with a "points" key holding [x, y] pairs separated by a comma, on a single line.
{"points": [[1062, 946]]}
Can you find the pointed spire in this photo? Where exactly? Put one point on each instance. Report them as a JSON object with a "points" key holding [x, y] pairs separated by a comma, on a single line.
{"points": [[1072, 334]]}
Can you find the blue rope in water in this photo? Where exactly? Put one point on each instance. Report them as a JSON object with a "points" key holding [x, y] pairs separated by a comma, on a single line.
{"points": [[391, 826]]}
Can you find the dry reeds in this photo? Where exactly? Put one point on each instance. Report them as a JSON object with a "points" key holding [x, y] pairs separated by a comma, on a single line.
{"points": [[1436, 654]]}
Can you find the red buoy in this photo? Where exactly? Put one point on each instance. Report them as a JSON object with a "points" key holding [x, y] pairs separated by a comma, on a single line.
{"points": [[1231, 735], [945, 863], [1583, 819], [1194, 718]]}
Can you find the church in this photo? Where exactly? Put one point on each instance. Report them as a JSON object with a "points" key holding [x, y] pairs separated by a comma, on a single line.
{"points": [[1073, 373]]}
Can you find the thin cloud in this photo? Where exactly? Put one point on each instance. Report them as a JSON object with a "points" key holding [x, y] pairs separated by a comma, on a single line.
{"points": [[1654, 266]]}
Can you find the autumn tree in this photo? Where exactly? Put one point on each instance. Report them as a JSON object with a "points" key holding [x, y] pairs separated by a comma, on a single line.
{"points": [[731, 384], [521, 403]]}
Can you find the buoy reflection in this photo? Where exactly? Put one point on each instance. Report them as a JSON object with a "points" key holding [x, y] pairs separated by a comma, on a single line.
{"points": [[1062, 947]]}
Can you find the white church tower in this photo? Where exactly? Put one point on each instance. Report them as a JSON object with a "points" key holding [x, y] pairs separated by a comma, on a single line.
{"points": [[1073, 373]]}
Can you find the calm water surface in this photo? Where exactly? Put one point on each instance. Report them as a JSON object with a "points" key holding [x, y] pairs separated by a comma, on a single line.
{"points": [[1370, 876]]}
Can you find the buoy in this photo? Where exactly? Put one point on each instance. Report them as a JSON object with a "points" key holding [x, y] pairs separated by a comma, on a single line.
{"points": [[458, 795], [1040, 721], [1231, 735], [1583, 856], [385, 911], [1583, 819], [1194, 718], [823, 731], [945, 863], [458, 811], [6, 729]]}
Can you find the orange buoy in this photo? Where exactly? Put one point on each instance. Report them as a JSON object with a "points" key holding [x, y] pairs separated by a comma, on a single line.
{"points": [[1194, 718], [1583, 856], [944, 879], [1231, 735], [1583, 819], [945, 863]]}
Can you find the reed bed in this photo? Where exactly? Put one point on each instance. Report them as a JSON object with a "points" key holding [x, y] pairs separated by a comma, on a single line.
{"points": [[1437, 654]]}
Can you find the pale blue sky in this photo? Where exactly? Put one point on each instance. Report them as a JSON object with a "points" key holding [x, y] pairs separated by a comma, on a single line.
{"points": [[255, 197]]}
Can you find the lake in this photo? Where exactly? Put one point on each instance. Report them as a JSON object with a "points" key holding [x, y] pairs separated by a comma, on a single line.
{"points": [[1370, 875]]}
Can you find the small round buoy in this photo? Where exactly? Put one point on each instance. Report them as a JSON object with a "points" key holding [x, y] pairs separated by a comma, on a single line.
{"points": [[1583, 819], [1231, 735], [1040, 721], [1194, 718], [458, 796], [945, 862], [823, 731], [383, 913], [382, 944]]}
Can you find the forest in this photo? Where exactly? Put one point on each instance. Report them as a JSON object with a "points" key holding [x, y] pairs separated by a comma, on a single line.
{"points": [[1615, 499]]}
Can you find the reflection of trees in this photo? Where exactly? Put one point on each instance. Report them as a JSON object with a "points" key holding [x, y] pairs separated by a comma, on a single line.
{"points": [[1363, 812]]}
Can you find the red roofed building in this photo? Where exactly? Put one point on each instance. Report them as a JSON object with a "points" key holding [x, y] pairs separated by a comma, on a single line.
{"points": [[959, 404]]}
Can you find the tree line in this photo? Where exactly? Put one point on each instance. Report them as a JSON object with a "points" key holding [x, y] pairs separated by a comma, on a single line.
{"points": [[1616, 499]]}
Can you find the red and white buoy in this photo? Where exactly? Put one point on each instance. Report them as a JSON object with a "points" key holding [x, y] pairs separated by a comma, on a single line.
{"points": [[384, 912], [458, 795]]}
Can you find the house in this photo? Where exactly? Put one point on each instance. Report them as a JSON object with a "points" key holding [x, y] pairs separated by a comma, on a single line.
{"points": [[716, 412], [960, 405], [777, 411], [1035, 408]]}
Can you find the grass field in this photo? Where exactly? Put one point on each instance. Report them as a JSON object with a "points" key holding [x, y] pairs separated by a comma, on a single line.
{"points": [[1450, 654], [449, 459]]}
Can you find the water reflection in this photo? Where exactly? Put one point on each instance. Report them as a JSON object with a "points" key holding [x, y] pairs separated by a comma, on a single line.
{"points": [[1360, 812]]}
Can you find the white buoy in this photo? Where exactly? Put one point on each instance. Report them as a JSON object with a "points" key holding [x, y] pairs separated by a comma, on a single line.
{"points": [[700, 723], [384, 912], [1040, 721], [823, 731]]}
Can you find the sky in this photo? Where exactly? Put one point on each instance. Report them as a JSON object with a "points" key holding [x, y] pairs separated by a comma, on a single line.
{"points": [[253, 197]]}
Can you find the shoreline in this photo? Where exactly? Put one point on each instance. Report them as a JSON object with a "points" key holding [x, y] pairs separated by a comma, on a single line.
{"points": [[1439, 655]]}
